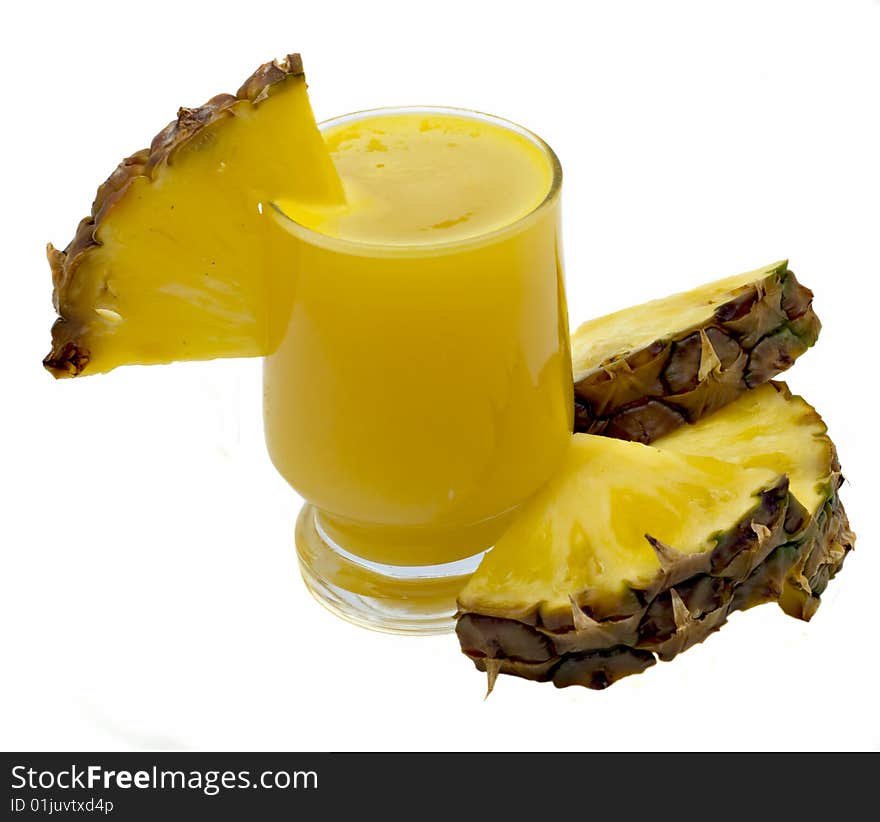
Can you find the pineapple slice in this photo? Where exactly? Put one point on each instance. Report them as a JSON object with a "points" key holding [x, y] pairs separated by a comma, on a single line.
{"points": [[567, 594], [643, 371], [771, 428], [564, 593], [177, 260]]}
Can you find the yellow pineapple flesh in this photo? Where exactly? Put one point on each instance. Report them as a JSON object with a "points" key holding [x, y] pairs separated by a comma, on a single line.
{"points": [[766, 428], [585, 532]]}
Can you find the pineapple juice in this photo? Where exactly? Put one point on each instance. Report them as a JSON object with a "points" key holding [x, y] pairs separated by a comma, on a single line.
{"points": [[420, 388]]}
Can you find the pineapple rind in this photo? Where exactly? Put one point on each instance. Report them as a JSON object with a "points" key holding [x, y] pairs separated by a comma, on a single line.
{"points": [[738, 333], [592, 669], [822, 554]]}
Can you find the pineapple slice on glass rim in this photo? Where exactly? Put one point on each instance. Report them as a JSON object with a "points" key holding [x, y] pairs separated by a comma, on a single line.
{"points": [[179, 260]]}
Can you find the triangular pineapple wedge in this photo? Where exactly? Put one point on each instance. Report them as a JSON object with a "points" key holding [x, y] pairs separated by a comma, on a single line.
{"points": [[642, 372], [177, 260]]}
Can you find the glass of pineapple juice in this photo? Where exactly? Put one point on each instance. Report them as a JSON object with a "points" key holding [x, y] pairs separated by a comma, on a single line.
{"points": [[419, 389]]}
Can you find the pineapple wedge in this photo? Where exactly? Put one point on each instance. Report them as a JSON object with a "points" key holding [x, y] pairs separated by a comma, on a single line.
{"points": [[177, 260], [564, 593], [642, 372], [567, 594]]}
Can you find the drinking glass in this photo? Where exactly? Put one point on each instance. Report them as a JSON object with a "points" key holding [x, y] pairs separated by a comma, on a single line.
{"points": [[417, 394]]}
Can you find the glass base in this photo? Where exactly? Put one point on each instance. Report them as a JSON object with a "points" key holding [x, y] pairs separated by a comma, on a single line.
{"points": [[398, 599]]}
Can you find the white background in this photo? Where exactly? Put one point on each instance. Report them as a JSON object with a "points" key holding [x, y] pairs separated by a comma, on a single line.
{"points": [[149, 595]]}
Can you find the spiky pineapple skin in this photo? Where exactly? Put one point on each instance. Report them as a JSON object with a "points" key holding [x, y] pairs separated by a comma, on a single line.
{"points": [[822, 554], [69, 355], [643, 394]]}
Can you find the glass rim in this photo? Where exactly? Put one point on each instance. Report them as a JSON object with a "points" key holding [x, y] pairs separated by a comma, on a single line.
{"points": [[418, 249]]}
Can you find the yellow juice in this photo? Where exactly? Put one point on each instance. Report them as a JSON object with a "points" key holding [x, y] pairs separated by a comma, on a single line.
{"points": [[420, 384]]}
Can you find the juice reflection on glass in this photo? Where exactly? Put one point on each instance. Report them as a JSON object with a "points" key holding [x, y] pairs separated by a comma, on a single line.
{"points": [[420, 384]]}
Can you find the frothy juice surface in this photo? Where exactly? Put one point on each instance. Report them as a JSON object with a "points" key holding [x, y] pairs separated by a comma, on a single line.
{"points": [[418, 178], [420, 389]]}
